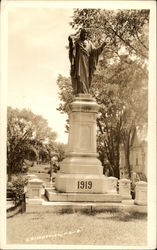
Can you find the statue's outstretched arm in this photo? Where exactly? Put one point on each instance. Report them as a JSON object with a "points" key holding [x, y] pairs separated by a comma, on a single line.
{"points": [[100, 49]]}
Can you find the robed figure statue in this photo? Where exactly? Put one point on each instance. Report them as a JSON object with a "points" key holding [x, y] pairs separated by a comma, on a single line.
{"points": [[84, 59]]}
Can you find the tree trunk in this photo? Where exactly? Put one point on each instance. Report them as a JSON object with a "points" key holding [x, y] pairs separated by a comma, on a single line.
{"points": [[127, 162], [9, 172], [116, 172], [9, 177], [127, 153], [38, 158]]}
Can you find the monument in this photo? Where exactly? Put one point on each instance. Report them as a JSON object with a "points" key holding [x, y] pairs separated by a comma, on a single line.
{"points": [[81, 174]]}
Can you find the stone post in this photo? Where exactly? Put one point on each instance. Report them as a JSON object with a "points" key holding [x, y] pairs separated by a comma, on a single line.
{"points": [[112, 184], [141, 193], [34, 191], [125, 189]]}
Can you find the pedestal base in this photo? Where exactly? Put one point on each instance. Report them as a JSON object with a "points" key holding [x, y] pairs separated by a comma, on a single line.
{"points": [[81, 183], [77, 163], [34, 201], [126, 197], [78, 197], [141, 202]]}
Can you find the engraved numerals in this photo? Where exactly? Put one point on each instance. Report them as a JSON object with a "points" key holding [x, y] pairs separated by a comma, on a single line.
{"points": [[84, 185]]}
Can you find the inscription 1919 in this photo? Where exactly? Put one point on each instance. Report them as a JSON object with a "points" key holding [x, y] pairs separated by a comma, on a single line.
{"points": [[84, 185]]}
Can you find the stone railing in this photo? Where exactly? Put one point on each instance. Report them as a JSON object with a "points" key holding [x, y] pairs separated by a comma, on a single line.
{"points": [[34, 191], [125, 189], [141, 193]]}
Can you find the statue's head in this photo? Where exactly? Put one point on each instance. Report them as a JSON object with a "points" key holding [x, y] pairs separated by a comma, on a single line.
{"points": [[83, 34]]}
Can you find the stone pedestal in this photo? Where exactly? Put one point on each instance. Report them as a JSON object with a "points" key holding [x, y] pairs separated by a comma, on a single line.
{"points": [[81, 183], [55, 196], [125, 189], [81, 171], [34, 191], [112, 184], [141, 193]]}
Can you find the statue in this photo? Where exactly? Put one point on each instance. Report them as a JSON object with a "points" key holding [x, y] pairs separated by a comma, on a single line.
{"points": [[84, 59]]}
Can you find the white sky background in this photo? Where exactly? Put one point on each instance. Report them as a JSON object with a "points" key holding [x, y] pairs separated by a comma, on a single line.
{"points": [[37, 40]]}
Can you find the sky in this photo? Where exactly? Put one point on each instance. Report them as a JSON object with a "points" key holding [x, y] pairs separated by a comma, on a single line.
{"points": [[37, 54]]}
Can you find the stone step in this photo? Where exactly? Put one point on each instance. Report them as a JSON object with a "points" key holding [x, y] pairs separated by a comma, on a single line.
{"points": [[72, 207], [9, 204], [53, 195]]}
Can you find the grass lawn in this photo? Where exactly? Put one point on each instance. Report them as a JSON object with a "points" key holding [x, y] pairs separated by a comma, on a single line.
{"points": [[101, 228], [107, 228]]}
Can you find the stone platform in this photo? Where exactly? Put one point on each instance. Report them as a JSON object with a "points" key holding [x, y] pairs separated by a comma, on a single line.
{"points": [[53, 195], [88, 207]]}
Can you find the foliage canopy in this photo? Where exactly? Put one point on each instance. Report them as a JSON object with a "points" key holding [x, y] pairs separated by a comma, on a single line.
{"points": [[27, 135]]}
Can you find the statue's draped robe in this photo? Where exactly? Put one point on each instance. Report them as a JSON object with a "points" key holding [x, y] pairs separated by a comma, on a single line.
{"points": [[84, 61]]}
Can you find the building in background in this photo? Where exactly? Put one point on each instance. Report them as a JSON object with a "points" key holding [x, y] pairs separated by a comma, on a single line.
{"points": [[138, 158]]}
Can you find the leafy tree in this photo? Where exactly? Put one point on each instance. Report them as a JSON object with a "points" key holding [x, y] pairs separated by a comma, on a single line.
{"points": [[60, 149], [42, 134], [26, 132], [120, 28], [121, 109], [19, 133], [65, 95]]}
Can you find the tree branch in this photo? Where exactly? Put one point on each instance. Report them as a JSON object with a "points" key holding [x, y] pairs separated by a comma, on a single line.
{"points": [[100, 127], [139, 39], [128, 44]]}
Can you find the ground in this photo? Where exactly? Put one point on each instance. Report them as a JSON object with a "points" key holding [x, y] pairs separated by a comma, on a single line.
{"points": [[107, 228], [112, 227]]}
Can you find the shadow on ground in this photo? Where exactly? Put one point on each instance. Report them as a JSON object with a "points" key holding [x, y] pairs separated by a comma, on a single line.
{"points": [[13, 211], [108, 214], [124, 216]]}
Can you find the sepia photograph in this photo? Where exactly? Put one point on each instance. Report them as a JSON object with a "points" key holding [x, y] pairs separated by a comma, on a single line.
{"points": [[78, 125]]}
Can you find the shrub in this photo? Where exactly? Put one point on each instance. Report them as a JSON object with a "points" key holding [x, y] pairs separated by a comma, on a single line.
{"points": [[17, 186]]}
